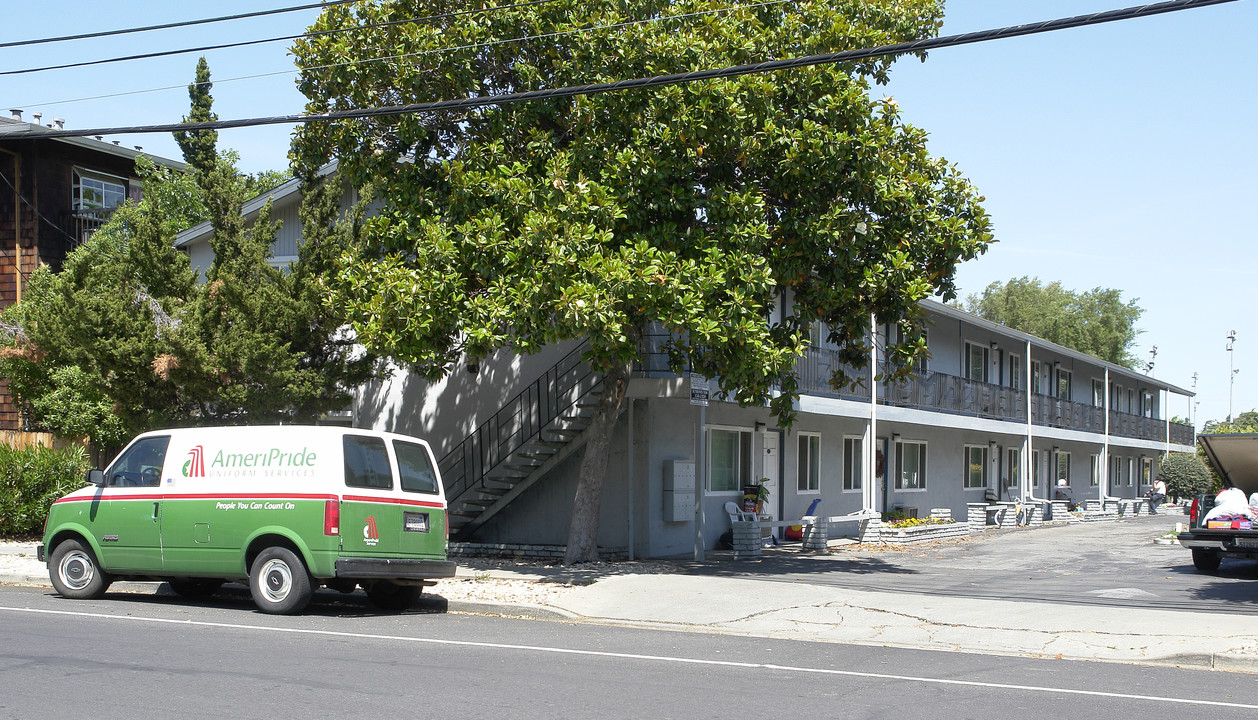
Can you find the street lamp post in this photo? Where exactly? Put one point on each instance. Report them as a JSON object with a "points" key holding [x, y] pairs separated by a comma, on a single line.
{"points": [[1231, 376]]}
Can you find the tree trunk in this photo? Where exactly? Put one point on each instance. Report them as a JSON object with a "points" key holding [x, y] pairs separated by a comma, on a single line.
{"points": [[583, 533]]}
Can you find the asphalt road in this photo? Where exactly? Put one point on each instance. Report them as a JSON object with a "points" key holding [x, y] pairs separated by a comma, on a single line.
{"points": [[149, 657], [1110, 563]]}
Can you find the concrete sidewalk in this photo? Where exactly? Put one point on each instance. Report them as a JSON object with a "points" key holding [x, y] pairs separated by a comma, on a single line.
{"points": [[799, 610]]}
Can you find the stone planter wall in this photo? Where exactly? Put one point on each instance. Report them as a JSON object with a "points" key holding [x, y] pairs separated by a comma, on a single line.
{"points": [[924, 533], [746, 539], [815, 535]]}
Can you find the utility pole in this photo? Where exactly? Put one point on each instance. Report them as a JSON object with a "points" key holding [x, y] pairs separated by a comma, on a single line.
{"points": [[1231, 375], [1193, 403]]}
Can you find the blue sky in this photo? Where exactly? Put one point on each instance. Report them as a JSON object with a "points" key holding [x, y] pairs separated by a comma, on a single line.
{"points": [[1120, 156]]}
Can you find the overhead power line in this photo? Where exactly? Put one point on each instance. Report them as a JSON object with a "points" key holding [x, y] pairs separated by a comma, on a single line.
{"points": [[178, 24], [653, 81], [245, 43], [455, 48]]}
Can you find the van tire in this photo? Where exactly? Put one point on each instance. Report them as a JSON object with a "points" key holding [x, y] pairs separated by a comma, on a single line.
{"points": [[279, 582], [195, 588], [388, 595], [1206, 560], [75, 573]]}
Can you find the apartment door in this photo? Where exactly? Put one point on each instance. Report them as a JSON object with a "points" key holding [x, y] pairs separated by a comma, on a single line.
{"points": [[771, 467]]}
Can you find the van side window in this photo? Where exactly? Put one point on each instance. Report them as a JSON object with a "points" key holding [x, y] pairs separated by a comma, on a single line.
{"points": [[367, 463], [140, 465], [414, 467]]}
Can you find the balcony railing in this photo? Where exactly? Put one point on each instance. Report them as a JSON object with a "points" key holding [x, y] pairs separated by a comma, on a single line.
{"points": [[80, 224], [951, 394], [956, 395]]}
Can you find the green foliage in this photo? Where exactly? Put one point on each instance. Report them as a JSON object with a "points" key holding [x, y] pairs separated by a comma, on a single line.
{"points": [[126, 339], [198, 146], [31, 479], [1185, 475], [1096, 322], [1246, 422], [691, 208]]}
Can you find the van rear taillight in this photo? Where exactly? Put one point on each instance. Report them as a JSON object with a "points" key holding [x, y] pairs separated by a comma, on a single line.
{"points": [[1192, 515], [332, 517]]}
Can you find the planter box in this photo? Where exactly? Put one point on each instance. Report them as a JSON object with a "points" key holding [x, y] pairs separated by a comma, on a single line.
{"points": [[924, 533]]}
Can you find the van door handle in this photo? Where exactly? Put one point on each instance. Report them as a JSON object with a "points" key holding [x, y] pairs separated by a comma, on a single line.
{"points": [[156, 511]]}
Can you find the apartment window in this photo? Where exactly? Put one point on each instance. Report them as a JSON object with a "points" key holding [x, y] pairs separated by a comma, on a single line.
{"points": [[94, 191], [1098, 393], [1063, 466], [1015, 372], [975, 466], [1115, 471], [976, 362], [1013, 466], [1116, 399], [729, 459], [910, 463], [1146, 404], [809, 462], [1129, 470], [814, 334], [1035, 376], [1146, 471], [853, 451], [1095, 478], [1131, 401], [1063, 384], [1036, 464]]}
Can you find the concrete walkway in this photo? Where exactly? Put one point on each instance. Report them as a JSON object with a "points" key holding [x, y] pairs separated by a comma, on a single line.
{"points": [[799, 610]]}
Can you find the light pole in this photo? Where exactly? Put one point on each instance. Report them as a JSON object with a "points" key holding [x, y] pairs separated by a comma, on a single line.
{"points": [[1231, 376]]}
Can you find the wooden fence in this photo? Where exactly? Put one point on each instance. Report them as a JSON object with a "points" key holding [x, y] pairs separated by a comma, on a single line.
{"points": [[22, 440]]}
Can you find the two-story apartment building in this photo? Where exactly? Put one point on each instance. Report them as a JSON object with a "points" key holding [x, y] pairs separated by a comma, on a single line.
{"points": [[990, 408], [54, 193]]}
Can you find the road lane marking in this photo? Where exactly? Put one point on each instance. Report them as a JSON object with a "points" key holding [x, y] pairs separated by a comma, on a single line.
{"points": [[636, 656]]}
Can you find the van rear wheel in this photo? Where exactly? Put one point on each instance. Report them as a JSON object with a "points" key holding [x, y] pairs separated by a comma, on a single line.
{"points": [[279, 582], [388, 595], [75, 573]]}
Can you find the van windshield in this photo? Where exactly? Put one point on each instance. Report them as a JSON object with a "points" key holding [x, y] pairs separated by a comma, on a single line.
{"points": [[415, 467]]}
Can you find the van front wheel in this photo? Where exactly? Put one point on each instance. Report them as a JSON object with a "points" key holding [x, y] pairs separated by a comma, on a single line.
{"points": [[75, 573], [279, 582]]}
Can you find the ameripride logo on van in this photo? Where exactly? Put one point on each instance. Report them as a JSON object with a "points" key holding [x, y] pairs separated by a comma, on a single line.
{"points": [[266, 462], [195, 466]]}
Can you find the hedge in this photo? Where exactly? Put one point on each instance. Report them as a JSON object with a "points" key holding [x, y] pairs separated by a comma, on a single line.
{"points": [[31, 479]]}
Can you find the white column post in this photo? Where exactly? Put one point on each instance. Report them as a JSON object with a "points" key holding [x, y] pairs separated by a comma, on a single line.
{"points": [[868, 470]]}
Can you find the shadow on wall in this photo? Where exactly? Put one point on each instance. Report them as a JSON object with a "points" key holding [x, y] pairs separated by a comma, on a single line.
{"points": [[445, 412]]}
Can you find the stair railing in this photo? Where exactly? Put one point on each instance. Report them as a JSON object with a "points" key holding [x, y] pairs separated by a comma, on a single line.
{"points": [[519, 423]]}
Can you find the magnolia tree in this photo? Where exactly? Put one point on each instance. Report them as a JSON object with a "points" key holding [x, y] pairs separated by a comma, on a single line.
{"points": [[696, 206]]}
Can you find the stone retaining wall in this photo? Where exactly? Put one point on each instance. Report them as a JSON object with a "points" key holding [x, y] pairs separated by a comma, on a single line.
{"points": [[519, 551]]}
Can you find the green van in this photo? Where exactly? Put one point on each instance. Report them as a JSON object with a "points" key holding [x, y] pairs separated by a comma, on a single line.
{"points": [[284, 508]]}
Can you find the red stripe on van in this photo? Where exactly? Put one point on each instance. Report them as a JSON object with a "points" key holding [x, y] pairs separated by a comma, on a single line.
{"points": [[393, 501], [198, 496]]}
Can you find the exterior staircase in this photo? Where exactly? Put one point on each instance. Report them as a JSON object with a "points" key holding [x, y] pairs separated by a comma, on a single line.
{"points": [[532, 433]]}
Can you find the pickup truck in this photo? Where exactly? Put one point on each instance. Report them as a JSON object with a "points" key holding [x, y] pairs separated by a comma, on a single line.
{"points": [[1235, 458]]}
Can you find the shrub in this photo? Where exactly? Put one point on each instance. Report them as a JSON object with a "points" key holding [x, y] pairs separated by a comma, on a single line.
{"points": [[31, 479], [1185, 475]]}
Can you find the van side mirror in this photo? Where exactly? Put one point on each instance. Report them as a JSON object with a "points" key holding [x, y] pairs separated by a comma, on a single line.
{"points": [[96, 477]]}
